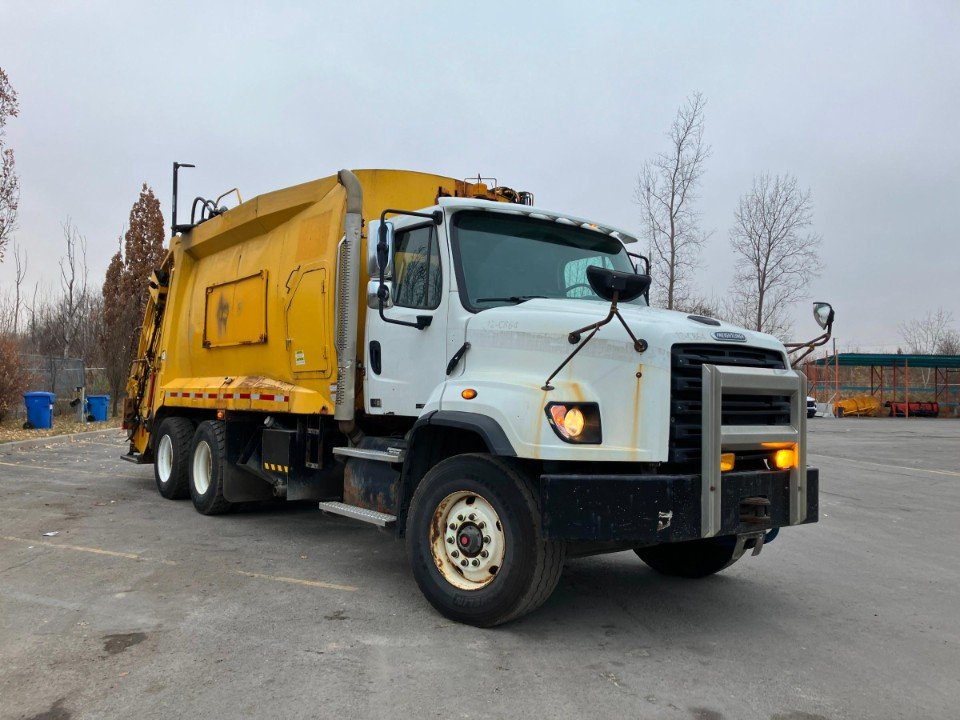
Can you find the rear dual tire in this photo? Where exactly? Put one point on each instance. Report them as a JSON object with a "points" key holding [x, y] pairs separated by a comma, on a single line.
{"points": [[475, 544], [206, 469], [172, 458]]}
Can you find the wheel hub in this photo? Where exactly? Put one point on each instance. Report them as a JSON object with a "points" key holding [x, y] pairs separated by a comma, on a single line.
{"points": [[467, 540], [470, 540]]}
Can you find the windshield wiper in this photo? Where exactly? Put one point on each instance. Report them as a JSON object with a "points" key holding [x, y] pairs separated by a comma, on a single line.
{"points": [[516, 299]]}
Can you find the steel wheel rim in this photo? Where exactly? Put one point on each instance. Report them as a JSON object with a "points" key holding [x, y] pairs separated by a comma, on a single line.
{"points": [[202, 467], [165, 459], [467, 540]]}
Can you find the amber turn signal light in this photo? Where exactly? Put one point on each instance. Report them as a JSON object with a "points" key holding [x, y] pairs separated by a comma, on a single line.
{"points": [[785, 459], [727, 461]]}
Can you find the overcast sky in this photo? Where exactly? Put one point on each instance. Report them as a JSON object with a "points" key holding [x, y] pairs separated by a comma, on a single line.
{"points": [[861, 102]]}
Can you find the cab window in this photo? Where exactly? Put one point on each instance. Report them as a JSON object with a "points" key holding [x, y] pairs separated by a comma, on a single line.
{"points": [[416, 268]]}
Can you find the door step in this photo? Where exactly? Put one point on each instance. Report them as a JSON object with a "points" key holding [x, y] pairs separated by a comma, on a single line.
{"points": [[358, 513], [391, 455]]}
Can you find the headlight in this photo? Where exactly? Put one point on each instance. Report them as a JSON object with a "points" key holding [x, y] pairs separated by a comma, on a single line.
{"points": [[575, 422]]}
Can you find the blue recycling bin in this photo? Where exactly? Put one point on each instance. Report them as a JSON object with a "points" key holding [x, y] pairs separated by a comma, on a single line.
{"points": [[97, 406], [39, 409]]}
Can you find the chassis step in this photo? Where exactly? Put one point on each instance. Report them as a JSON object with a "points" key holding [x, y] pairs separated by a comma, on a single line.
{"points": [[392, 455], [358, 513]]}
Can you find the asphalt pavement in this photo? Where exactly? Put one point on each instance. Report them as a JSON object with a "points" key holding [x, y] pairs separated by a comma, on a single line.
{"points": [[139, 607]]}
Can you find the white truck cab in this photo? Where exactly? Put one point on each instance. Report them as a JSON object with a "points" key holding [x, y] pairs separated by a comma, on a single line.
{"points": [[677, 435]]}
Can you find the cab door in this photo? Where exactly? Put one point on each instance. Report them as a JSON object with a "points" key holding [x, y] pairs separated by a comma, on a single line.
{"points": [[405, 366]]}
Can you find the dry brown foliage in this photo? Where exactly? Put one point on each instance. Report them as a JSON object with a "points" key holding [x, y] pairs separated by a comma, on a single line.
{"points": [[125, 288], [14, 377]]}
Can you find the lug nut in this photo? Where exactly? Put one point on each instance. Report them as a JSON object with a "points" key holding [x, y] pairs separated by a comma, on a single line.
{"points": [[453, 526], [463, 562], [475, 563], [450, 540], [484, 553], [473, 516], [486, 538], [482, 525], [460, 518], [455, 553]]}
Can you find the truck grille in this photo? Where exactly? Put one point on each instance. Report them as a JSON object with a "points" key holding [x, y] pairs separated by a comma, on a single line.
{"points": [[686, 399]]}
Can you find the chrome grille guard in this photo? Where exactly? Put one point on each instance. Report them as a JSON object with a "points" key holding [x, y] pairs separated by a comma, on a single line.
{"points": [[720, 380]]}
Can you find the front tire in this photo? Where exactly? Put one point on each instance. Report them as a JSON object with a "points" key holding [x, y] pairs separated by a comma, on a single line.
{"points": [[475, 544], [171, 464], [206, 469], [692, 559]]}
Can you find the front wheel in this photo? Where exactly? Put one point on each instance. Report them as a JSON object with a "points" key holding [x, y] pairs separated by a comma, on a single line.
{"points": [[475, 544], [692, 559]]}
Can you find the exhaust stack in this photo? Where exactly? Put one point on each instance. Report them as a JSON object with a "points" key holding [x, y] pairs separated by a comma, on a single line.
{"points": [[348, 308]]}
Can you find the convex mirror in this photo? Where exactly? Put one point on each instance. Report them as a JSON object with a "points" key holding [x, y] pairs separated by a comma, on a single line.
{"points": [[823, 314]]}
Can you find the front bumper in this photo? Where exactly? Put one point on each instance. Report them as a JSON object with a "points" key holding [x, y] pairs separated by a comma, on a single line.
{"points": [[652, 509]]}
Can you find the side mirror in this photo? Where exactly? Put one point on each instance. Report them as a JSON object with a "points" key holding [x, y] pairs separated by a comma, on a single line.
{"points": [[823, 314], [378, 256], [375, 293], [636, 265]]}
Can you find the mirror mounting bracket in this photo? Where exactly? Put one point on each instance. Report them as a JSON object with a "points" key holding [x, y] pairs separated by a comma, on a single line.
{"points": [[809, 346], [610, 285], [383, 252]]}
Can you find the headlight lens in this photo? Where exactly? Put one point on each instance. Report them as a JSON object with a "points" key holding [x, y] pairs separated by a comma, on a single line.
{"points": [[575, 422]]}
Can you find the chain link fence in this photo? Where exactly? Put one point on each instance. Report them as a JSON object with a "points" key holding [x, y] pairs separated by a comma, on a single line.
{"points": [[61, 376]]}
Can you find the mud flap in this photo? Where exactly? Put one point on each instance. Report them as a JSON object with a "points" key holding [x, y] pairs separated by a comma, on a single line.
{"points": [[241, 486]]}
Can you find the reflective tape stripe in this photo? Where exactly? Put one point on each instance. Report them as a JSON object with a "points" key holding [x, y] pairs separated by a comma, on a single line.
{"points": [[263, 397]]}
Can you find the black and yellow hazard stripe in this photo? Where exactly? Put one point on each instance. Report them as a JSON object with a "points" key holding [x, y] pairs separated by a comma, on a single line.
{"points": [[276, 468]]}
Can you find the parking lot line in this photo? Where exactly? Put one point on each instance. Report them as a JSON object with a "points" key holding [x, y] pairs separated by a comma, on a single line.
{"points": [[81, 548], [59, 468], [888, 466], [297, 581], [134, 556]]}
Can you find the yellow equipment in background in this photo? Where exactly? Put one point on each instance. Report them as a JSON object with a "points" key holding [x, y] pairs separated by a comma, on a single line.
{"points": [[859, 406]]}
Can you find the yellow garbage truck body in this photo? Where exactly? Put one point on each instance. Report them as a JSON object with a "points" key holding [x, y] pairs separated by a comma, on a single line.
{"points": [[244, 316]]}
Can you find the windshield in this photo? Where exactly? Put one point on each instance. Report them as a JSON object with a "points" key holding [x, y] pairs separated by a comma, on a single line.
{"points": [[508, 259]]}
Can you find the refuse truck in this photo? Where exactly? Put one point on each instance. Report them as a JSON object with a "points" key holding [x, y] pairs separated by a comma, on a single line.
{"points": [[480, 376]]}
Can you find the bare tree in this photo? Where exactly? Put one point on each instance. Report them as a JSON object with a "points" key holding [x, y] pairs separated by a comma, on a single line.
{"points": [[9, 181], [949, 344], [775, 251], [20, 274], [931, 334], [74, 298], [666, 191], [926, 335]]}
